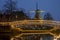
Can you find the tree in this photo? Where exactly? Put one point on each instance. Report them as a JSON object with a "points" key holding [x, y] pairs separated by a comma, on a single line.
{"points": [[10, 6], [48, 17]]}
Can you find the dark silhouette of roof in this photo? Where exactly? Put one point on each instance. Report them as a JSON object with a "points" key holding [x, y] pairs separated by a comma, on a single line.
{"points": [[14, 16]]}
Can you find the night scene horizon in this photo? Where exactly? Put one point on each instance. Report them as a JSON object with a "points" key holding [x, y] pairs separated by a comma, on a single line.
{"points": [[29, 19], [51, 6]]}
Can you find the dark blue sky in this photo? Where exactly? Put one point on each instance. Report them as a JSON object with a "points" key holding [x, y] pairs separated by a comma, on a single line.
{"points": [[52, 6]]}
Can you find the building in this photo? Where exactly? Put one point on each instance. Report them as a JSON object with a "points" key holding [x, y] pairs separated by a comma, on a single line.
{"points": [[15, 15], [5, 30]]}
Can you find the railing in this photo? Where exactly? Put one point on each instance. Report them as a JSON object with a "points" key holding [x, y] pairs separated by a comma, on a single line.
{"points": [[34, 22], [28, 22]]}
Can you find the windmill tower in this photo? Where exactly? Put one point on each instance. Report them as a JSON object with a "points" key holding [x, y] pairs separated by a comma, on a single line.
{"points": [[37, 12]]}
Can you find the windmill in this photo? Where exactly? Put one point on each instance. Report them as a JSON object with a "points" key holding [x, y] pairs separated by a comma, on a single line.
{"points": [[37, 12]]}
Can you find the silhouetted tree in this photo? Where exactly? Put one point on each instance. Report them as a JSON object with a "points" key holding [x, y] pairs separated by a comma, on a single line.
{"points": [[10, 6], [48, 17]]}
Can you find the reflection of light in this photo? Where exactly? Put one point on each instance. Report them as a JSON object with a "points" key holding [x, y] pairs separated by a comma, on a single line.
{"points": [[58, 36], [40, 38], [12, 38], [55, 39]]}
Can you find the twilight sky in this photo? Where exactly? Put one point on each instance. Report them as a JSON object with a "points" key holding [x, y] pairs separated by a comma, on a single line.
{"points": [[52, 6]]}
